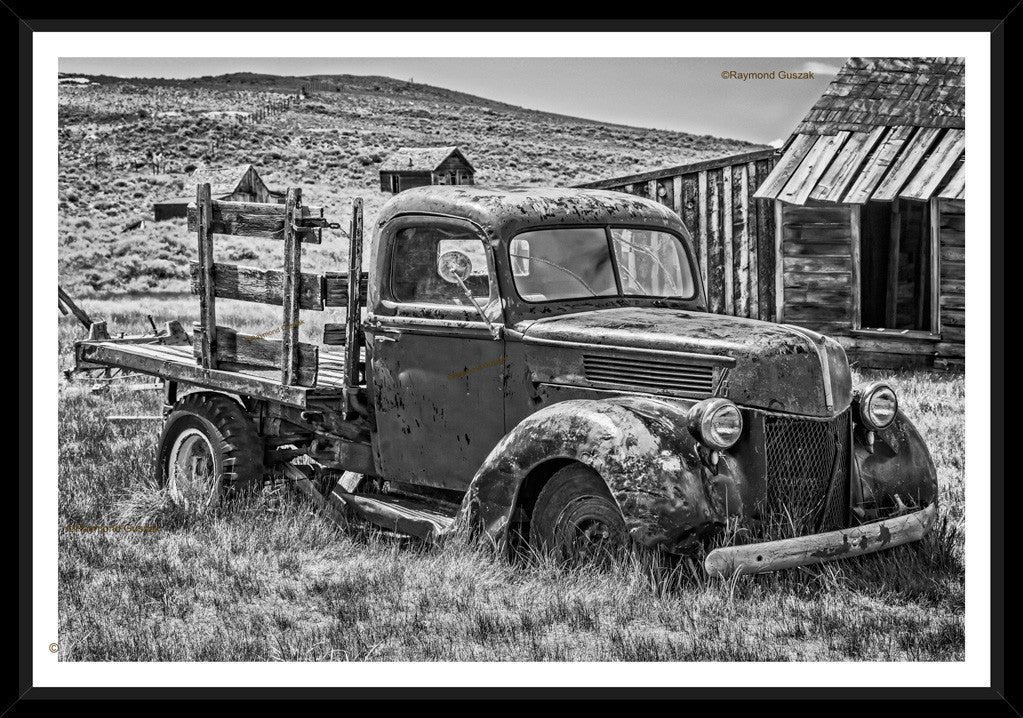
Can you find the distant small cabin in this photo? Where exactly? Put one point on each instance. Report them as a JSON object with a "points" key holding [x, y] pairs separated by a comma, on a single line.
{"points": [[411, 167], [232, 184]]}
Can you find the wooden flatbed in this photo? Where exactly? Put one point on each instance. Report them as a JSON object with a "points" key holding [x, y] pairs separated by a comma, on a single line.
{"points": [[284, 370], [178, 363]]}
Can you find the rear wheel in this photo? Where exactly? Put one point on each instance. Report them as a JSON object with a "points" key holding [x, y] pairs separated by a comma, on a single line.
{"points": [[209, 450], [576, 519]]}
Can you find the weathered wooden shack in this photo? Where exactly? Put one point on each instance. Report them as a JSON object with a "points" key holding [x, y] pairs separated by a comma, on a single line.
{"points": [[234, 184], [733, 232], [411, 167], [869, 213], [227, 184]]}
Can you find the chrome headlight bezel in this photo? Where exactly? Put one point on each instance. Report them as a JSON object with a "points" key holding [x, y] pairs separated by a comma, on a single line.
{"points": [[702, 418], [865, 395]]}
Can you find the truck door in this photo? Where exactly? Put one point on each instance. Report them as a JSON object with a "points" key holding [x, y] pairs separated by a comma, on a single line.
{"points": [[437, 370]]}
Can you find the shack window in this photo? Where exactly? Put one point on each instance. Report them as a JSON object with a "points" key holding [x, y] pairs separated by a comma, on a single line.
{"points": [[895, 266], [418, 260]]}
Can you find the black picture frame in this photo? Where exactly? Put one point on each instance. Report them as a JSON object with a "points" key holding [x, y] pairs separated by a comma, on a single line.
{"points": [[997, 19]]}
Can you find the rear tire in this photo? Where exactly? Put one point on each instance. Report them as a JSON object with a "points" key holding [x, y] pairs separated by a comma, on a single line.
{"points": [[209, 450], [576, 519]]}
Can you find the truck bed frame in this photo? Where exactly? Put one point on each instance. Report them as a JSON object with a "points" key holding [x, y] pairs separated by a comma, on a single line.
{"points": [[177, 363], [284, 370]]}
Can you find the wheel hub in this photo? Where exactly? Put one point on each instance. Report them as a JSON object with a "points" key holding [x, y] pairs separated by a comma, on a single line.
{"points": [[192, 479]]}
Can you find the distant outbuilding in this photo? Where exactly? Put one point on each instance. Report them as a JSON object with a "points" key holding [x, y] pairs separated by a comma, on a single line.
{"points": [[241, 183], [411, 167]]}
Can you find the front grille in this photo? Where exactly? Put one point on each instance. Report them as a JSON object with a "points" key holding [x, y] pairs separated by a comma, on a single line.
{"points": [[808, 471], [645, 373]]}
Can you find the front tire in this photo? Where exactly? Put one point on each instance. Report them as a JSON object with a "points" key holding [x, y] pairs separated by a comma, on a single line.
{"points": [[209, 450], [576, 519]]}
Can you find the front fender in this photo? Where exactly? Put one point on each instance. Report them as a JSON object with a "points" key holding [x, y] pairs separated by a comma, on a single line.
{"points": [[638, 445], [899, 470]]}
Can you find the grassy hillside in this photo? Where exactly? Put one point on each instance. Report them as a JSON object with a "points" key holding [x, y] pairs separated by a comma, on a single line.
{"points": [[331, 144]]}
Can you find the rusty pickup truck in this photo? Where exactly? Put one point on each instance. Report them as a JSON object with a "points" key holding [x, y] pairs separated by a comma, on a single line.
{"points": [[536, 365]]}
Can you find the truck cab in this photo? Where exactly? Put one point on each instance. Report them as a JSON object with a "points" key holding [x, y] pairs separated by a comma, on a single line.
{"points": [[513, 333], [457, 278]]}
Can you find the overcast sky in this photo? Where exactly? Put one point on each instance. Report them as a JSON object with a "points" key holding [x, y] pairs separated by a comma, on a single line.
{"points": [[687, 94]]}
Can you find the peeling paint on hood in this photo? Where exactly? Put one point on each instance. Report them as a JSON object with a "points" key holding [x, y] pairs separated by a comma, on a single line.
{"points": [[777, 367]]}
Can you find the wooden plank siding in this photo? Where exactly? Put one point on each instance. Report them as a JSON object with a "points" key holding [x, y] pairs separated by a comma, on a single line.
{"points": [[816, 255], [952, 291], [732, 231]]}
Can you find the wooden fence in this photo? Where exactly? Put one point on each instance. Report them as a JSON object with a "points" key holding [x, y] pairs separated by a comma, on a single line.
{"points": [[733, 232]]}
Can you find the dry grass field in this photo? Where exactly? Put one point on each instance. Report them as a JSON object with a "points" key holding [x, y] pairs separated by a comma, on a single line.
{"points": [[273, 580]]}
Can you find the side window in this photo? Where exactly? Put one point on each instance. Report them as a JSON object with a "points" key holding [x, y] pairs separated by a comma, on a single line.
{"points": [[422, 260]]}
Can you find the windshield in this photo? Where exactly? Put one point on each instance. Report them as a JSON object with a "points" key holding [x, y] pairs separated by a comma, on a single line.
{"points": [[554, 264]]}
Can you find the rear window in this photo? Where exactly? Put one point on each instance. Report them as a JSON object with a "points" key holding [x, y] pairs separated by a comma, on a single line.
{"points": [[418, 256]]}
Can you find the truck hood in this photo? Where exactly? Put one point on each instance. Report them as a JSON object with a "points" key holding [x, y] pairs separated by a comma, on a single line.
{"points": [[777, 367]]}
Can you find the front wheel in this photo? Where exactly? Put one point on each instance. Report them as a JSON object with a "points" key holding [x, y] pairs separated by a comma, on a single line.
{"points": [[209, 450], [576, 519]]}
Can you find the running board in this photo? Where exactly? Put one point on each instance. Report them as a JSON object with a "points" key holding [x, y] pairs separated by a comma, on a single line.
{"points": [[399, 514]]}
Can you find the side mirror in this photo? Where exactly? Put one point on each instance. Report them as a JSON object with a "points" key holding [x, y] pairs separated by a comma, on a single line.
{"points": [[454, 267]]}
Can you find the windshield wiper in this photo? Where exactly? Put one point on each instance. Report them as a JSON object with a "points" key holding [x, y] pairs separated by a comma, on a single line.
{"points": [[569, 272]]}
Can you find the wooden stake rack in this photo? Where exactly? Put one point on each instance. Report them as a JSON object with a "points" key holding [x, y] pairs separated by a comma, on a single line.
{"points": [[293, 223]]}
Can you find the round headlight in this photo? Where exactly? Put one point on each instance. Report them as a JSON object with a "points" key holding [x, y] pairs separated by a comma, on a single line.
{"points": [[716, 422], [878, 405]]}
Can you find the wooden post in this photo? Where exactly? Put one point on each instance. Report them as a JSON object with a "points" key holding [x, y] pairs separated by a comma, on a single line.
{"points": [[923, 262], [726, 239], [352, 344], [702, 229], [779, 262], [854, 228], [79, 313], [892, 299], [292, 284], [935, 263], [207, 310], [749, 210], [676, 195]]}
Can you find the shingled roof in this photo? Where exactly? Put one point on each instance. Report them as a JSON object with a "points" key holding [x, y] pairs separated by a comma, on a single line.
{"points": [[222, 181], [419, 159], [885, 128]]}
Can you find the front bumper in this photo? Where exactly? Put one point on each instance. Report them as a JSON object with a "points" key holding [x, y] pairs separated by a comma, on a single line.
{"points": [[805, 550]]}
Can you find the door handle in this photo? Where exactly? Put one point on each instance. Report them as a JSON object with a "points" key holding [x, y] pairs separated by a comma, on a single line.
{"points": [[385, 338]]}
